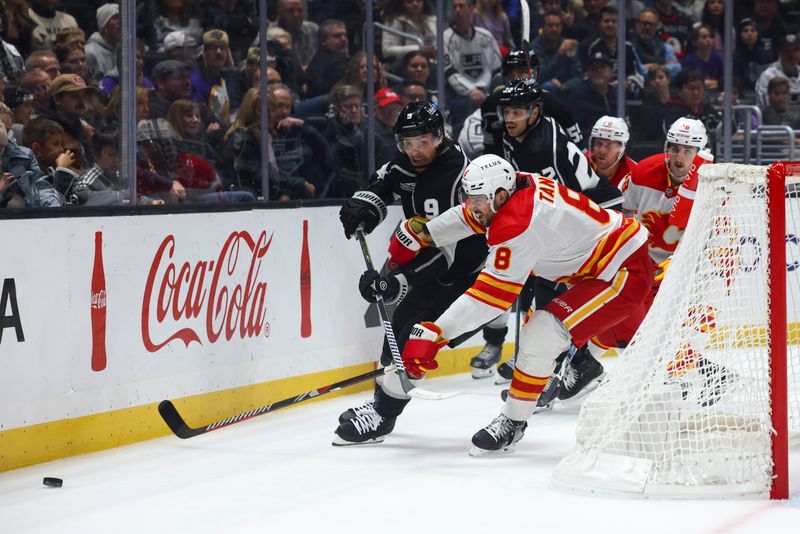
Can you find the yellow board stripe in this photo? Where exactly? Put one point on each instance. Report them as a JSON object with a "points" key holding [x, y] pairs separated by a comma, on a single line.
{"points": [[590, 307]]}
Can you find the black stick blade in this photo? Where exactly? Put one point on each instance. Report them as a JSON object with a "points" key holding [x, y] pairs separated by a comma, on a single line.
{"points": [[175, 422]]}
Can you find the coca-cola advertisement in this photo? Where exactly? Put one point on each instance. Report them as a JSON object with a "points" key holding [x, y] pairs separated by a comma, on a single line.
{"points": [[98, 307]]}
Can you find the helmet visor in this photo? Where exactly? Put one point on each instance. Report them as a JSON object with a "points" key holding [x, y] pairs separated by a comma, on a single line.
{"points": [[476, 202], [417, 143], [515, 113]]}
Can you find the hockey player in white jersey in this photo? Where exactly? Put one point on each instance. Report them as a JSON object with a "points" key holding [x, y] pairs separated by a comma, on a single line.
{"points": [[561, 235]]}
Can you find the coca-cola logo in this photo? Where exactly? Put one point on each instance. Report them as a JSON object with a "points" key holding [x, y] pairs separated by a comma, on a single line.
{"points": [[99, 299], [226, 292]]}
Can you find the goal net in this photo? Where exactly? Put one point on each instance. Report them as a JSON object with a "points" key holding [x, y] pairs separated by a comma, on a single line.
{"points": [[706, 397]]}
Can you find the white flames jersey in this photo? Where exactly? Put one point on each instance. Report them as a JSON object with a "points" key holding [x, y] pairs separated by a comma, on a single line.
{"points": [[547, 229]]}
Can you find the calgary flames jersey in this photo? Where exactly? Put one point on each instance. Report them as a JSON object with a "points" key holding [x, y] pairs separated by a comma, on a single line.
{"points": [[624, 169], [649, 195], [546, 228]]}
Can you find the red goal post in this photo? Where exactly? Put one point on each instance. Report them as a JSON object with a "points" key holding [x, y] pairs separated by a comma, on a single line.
{"points": [[704, 401]]}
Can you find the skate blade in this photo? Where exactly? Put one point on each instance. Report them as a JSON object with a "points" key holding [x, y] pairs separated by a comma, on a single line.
{"points": [[477, 452], [478, 374], [339, 442]]}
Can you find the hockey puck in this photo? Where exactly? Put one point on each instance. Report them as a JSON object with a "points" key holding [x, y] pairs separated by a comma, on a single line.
{"points": [[53, 482]]}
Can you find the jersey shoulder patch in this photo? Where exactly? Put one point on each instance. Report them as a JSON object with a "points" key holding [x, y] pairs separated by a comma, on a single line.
{"points": [[513, 218], [651, 172]]}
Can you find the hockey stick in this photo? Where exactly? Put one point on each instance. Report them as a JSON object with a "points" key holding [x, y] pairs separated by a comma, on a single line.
{"points": [[179, 427], [410, 389]]}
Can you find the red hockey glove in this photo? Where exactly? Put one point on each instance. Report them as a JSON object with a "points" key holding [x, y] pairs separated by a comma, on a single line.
{"points": [[419, 352], [406, 242], [682, 208]]}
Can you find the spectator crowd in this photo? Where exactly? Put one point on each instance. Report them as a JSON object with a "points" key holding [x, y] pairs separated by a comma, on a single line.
{"points": [[198, 97]]}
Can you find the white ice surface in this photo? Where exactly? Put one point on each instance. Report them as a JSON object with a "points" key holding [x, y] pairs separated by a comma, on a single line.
{"points": [[279, 474]]}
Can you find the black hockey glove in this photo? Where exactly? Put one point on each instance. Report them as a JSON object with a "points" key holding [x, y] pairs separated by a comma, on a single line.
{"points": [[393, 287], [363, 208]]}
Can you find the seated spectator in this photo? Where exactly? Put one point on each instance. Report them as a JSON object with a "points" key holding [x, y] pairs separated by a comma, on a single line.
{"points": [[11, 63], [100, 184], [408, 16], [114, 106], [573, 12], [652, 49], [290, 15], [208, 84], [413, 92], [21, 104], [27, 185], [73, 61], [48, 182], [111, 79], [593, 99], [771, 26], [586, 19], [559, 67], [186, 120], [778, 111], [787, 66], [35, 82], [416, 67], [237, 19], [330, 62], [69, 38], [650, 124], [346, 137], [472, 58], [280, 48], [674, 26], [246, 77], [180, 47], [749, 58], [387, 106], [101, 50], [356, 74], [172, 81], [170, 16], [18, 25], [691, 102], [49, 21], [606, 43], [702, 56], [156, 182], [45, 60], [714, 17], [68, 106], [490, 15]]}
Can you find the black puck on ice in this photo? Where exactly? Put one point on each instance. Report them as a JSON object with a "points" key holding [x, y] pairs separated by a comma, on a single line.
{"points": [[53, 482]]}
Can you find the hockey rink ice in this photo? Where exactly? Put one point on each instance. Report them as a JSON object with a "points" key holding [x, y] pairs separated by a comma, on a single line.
{"points": [[278, 473]]}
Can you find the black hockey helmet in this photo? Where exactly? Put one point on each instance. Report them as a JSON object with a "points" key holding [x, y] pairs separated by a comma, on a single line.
{"points": [[419, 118], [521, 92], [517, 60]]}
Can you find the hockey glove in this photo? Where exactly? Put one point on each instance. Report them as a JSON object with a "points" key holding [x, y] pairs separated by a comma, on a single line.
{"points": [[419, 352], [364, 208], [393, 287], [661, 270], [406, 242]]}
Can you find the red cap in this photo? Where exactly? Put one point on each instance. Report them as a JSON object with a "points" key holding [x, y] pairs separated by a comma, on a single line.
{"points": [[386, 96]]}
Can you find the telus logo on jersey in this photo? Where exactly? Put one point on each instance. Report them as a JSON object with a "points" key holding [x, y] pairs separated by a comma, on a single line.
{"points": [[225, 291]]}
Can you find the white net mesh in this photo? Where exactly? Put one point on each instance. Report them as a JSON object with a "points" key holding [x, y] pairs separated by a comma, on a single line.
{"points": [[686, 411]]}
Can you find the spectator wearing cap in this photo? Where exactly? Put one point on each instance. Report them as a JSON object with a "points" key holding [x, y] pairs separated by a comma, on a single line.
{"points": [[49, 21], [290, 15], [101, 49], [749, 57], [69, 107], [172, 81], [208, 83], [387, 106], [787, 66], [606, 42], [173, 15], [180, 46], [11, 63], [593, 98], [330, 62], [45, 60], [111, 79]]}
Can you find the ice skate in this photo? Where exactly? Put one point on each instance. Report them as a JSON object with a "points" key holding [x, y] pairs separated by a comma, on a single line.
{"points": [[485, 362], [581, 378], [501, 435], [505, 371], [365, 428], [350, 413]]}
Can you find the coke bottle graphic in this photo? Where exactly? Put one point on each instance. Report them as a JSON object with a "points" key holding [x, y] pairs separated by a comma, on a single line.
{"points": [[98, 306], [305, 286]]}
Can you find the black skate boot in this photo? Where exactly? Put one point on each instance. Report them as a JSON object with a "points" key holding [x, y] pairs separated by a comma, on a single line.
{"points": [[716, 381], [505, 371], [500, 435], [350, 413], [367, 427], [581, 376], [484, 363]]}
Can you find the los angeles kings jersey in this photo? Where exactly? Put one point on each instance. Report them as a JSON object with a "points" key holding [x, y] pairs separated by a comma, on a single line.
{"points": [[547, 229]]}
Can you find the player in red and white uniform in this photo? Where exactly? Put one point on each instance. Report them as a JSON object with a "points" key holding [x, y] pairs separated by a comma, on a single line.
{"points": [[653, 186], [606, 152], [560, 235]]}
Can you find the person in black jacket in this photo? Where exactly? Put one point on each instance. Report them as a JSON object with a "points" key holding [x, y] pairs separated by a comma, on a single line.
{"points": [[330, 62], [426, 177], [594, 97]]}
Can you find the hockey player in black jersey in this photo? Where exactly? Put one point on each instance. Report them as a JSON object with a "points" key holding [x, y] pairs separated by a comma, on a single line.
{"points": [[515, 66], [426, 177]]}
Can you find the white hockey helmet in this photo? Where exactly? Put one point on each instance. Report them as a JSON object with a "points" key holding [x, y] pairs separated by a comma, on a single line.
{"points": [[611, 128], [486, 174], [689, 132]]}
